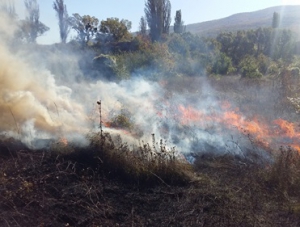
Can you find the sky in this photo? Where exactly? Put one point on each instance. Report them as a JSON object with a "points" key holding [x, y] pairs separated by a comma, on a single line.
{"points": [[193, 11]]}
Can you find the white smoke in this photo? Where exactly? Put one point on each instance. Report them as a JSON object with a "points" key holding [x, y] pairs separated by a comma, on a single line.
{"points": [[44, 95]]}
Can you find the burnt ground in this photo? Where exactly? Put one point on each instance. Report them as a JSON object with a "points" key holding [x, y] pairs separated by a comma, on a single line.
{"points": [[43, 188]]}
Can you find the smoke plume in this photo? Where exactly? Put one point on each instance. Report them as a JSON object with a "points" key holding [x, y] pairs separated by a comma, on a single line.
{"points": [[45, 95]]}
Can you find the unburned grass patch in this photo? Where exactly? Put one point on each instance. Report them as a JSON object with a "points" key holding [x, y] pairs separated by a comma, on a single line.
{"points": [[144, 164]]}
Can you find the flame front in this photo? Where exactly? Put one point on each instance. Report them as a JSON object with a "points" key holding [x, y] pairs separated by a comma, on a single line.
{"points": [[63, 141], [267, 135]]}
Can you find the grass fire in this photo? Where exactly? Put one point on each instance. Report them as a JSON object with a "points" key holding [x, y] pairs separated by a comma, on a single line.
{"points": [[110, 128]]}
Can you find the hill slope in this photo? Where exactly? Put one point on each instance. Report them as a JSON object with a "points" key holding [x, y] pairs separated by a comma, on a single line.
{"points": [[290, 19]]}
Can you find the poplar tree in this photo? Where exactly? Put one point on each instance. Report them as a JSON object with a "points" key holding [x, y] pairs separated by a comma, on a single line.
{"points": [[143, 26], [158, 17], [276, 20], [63, 17], [178, 24]]}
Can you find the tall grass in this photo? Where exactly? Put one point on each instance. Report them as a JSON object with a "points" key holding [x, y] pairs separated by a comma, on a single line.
{"points": [[143, 164], [284, 174]]}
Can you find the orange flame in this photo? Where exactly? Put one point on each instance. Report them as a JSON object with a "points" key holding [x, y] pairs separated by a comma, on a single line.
{"points": [[287, 128], [265, 135], [107, 124], [63, 141]]}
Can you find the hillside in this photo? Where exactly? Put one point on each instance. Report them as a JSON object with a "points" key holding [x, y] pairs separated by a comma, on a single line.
{"points": [[290, 18]]}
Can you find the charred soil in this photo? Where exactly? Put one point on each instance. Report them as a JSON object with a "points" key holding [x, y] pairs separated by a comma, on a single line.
{"points": [[43, 188]]}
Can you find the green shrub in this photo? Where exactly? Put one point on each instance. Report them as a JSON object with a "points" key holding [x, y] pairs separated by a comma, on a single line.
{"points": [[222, 65], [122, 120], [263, 63], [177, 44], [249, 67]]}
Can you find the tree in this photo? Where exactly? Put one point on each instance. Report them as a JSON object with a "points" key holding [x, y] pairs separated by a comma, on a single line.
{"points": [[178, 24], [158, 17], [249, 67], [10, 21], [283, 45], [226, 40], [85, 26], [9, 9], [143, 26], [177, 44], [222, 64], [166, 16], [62, 14], [242, 45], [276, 20], [31, 27], [118, 29]]}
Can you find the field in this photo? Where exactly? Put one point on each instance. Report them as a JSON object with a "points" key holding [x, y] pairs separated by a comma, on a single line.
{"points": [[108, 183]]}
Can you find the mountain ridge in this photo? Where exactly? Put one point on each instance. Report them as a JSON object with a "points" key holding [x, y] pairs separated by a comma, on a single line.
{"points": [[289, 16]]}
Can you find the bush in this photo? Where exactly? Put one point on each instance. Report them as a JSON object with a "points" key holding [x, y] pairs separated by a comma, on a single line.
{"points": [[177, 44], [263, 63], [122, 120], [222, 65], [249, 67], [152, 58]]}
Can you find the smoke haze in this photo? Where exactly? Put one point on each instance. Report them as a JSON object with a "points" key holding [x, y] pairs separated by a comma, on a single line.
{"points": [[45, 95]]}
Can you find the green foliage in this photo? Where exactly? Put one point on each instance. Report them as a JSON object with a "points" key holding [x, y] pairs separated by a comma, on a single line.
{"points": [[283, 45], [253, 52], [262, 40], [275, 20], [86, 27], [151, 59], [190, 54], [158, 16], [226, 42], [178, 24], [263, 63], [249, 67], [222, 65], [143, 27], [107, 65], [121, 68], [63, 19], [178, 45], [122, 120], [118, 29], [133, 61], [243, 45], [31, 27], [262, 43]]}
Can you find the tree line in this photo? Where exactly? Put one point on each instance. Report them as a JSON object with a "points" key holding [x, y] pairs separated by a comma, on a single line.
{"points": [[251, 53], [157, 18]]}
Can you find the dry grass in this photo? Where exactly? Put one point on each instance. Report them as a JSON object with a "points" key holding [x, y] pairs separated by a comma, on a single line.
{"points": [[145, 164], [284, 174]]}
